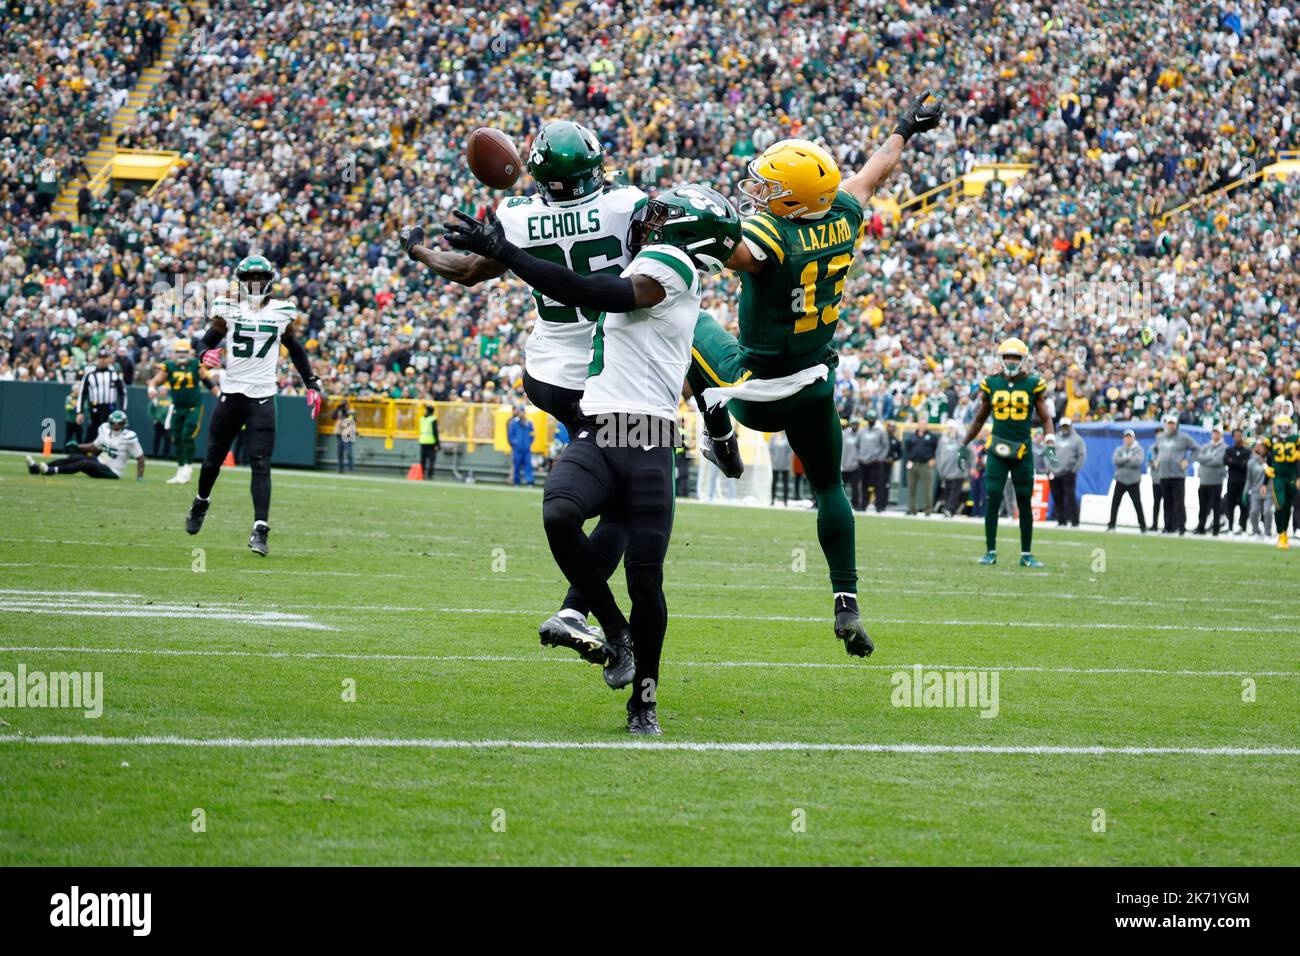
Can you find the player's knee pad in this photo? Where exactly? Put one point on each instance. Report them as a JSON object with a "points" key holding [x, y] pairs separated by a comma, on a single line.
{"points": [[560, 515], [260, 464]]}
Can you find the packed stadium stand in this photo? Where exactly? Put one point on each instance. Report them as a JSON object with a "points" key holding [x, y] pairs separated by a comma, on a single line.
{"points": [[1147, 153]]}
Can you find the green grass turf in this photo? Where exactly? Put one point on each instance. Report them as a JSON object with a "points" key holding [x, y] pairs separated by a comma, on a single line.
{"points": [[443, 647]]}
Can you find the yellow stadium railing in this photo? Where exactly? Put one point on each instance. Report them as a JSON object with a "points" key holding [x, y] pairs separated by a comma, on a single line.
{"points": [[470, 423], [1284, 163], [968, 184]]}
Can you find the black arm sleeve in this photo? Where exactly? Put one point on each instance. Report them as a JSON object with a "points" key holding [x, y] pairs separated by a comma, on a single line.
{"points": [[298, 356], [211, 339], [608, 293]]}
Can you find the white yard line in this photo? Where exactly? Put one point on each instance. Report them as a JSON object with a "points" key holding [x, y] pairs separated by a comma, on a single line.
{"points": [[564, 660], [724, 746]]}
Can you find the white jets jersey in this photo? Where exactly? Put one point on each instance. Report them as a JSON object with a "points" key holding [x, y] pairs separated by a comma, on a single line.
{"points": [[639, 358], [588, 236], [253, 343], [117, 448]]}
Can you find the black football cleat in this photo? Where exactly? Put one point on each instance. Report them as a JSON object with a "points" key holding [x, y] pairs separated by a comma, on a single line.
{"points": [[723, 452], [563, 631], [849, 629], [622, 664], [35, 467], [257, 540], [194, 520], [643, 721]]}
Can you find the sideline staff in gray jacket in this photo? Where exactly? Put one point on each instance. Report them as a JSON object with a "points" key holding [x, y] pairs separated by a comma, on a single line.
{"points": [[1127, 459], [873, 447], [1173, 450], [1071, 453], [1209, 494]]}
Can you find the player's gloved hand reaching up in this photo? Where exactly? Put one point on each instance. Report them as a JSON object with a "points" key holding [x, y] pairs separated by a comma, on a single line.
{"points": [[922, 114], [212, 358], [487, 238]]}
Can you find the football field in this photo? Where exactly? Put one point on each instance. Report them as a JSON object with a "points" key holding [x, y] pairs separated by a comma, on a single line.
{"points": [[374, 691]]}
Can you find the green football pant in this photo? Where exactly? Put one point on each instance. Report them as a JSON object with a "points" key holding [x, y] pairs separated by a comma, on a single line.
{"points": [[185, 428], [1283, 502], [811, 423], [995, 483]]}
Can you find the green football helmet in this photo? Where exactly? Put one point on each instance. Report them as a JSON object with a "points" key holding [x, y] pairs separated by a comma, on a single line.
{"points": [[566, 161], [117, 420], [696, 219], [256, 275]]}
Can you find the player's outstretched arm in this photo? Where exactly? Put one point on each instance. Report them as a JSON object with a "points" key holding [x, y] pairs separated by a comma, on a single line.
{"points": [[302, 365], [977, 423], [467, 270], [608, 293], [922, 114]]}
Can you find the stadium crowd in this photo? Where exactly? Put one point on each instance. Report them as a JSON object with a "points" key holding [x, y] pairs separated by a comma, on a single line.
{"points": [[311, 132]]}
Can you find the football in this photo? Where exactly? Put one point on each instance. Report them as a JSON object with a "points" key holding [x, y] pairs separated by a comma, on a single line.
{"points": [[492, 158]]}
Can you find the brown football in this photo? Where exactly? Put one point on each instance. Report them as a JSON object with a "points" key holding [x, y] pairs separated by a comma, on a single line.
{"points": [[492, 158]]}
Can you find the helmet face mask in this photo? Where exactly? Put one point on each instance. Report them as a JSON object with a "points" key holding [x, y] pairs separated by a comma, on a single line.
{"points": [[699, 221], [256, 276], [1013, 356], [792, 179]]}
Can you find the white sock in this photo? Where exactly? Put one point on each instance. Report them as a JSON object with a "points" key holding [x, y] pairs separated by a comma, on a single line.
{"points": [[262, 523]]}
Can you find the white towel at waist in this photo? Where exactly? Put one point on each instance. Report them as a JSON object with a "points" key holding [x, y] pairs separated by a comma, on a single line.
{"points": [[765, 389]]}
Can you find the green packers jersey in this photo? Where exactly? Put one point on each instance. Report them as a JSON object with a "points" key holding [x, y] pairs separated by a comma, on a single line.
{"points": [[183, 382], [789, 310], [1282, 454], [1012, 401]]}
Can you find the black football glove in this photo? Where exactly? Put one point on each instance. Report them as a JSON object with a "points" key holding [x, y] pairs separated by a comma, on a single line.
{"points": [[411, 236], [923, 114], [487, 238]]}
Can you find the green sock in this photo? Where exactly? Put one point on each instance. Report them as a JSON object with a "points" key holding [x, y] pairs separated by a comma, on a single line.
{"points": [[837, 535], [1026, 523], [992, 506]]}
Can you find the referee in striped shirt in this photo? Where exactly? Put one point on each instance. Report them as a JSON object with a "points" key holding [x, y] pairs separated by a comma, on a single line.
{"points": [[100, 392]]}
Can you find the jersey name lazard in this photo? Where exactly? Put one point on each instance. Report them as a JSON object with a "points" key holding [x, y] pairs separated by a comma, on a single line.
{"points": [[789, 311], [1012, 404]]}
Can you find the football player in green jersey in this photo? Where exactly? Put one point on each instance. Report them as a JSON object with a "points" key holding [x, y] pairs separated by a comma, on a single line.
{"points": [[800, 234], [1281, 452], [1011, 397], [185, 380]]}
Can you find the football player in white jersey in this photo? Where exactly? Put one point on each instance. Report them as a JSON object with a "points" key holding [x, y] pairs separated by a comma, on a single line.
{"points": [[254, 326], [622, 453], [105, 457], [579, 221]]}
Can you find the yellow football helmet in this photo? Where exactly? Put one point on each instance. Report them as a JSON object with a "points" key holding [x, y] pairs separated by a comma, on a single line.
{"points": [[1014, 356], [1282, 423], [791, 179]]}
